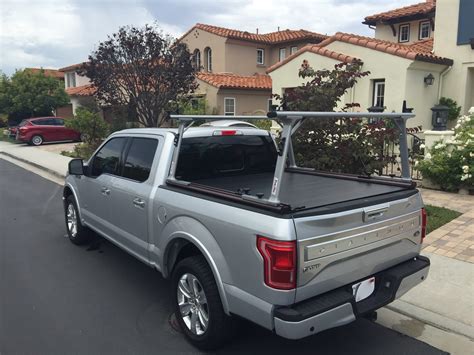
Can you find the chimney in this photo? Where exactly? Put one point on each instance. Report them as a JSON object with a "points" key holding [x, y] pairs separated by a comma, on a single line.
{"points": [[278, 28], [257, 30]]}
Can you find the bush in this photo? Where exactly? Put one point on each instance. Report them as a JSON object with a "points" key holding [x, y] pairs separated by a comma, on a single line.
{"points": [[450, 164], [454, 109], [3, 121], [93, 130]]}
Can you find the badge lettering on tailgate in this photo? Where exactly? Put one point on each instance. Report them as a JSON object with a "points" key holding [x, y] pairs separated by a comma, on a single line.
{"points": [[311, 267]]}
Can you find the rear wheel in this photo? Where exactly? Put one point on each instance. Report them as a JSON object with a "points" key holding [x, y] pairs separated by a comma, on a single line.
{"points": [[77, 233], [36, 140], [198, 307]]}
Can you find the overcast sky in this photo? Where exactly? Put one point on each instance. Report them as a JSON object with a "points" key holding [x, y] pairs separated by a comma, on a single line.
{"points": [[57, 33]]}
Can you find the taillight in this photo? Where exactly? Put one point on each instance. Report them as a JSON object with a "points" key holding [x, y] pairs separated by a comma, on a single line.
{"points": [[279, 260], [423, 224]]}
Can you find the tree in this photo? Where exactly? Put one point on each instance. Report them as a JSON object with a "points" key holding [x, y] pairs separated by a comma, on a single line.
{"points": [[141, 68], [28, 94], [349, 145]]}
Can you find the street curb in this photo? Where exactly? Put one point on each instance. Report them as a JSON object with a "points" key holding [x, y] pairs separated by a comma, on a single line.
{"points": [[38, 166], [431, 318]]}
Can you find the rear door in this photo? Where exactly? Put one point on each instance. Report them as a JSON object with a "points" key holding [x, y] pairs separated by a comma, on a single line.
{"points": [[337, 249], [131, 208], [62, 132]]}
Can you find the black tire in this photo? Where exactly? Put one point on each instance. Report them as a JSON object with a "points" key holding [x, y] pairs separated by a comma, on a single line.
{"points": [[219, 329], [36, 140], [83, 234]]}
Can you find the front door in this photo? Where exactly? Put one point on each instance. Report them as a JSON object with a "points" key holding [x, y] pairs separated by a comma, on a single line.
{"points": [[131, 205], [94, 188]]}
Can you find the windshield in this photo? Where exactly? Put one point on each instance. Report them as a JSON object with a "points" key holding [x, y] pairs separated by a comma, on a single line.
{"points": [[23, 123]]}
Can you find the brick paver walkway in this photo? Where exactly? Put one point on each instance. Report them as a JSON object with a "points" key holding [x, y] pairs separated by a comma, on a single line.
{"points": [[456, 238]]}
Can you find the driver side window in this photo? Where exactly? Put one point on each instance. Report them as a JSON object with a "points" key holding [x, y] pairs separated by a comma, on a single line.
{"points": [[107, 159]]}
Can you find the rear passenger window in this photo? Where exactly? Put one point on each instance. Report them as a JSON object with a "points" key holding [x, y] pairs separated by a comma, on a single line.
{"points": [[139, 159], [59, 122], [107, 159]]}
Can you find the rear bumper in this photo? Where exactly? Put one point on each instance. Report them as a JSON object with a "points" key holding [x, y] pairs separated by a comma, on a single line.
{"points": [[338, 307]]}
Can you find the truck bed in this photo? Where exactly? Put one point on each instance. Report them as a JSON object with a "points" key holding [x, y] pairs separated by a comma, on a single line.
{"points": [[300, 190]]}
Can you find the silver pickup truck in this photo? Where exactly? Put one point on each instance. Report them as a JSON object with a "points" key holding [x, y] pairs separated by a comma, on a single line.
{"points": [[241, 230]]}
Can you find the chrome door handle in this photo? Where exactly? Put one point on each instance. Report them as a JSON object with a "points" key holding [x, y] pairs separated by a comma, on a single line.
{"points": [[105, 191], [139, 202]]}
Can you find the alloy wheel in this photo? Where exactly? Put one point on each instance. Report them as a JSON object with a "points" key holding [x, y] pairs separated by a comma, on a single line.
{"points": [[71, 220], [193, 306]]}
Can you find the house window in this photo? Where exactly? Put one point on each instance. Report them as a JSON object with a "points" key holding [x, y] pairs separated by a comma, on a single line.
{"points": [[425, 28], [208, 53], [404, 33], [260, 56], [293, 50], [379, 93], [270, 104], [197, 59], [71, 79], [282, 54], [194, 103], [229, 106]]}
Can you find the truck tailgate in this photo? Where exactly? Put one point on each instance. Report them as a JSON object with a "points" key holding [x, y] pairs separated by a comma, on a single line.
{"points": [[341, 248]]}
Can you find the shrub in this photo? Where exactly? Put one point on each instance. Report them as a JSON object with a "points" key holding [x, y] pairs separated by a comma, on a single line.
{"points": [[93, 130], [454, 109], [450, 164]]}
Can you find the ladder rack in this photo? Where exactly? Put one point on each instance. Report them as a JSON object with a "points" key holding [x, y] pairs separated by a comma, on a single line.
{"points": [[291, 121]]}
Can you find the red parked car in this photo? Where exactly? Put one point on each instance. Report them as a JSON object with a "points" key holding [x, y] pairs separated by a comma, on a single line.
{"points": [[37, 130]]}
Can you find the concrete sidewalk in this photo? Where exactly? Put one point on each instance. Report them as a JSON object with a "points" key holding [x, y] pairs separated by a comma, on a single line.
{"points": [[52, 163], [443, 303]]}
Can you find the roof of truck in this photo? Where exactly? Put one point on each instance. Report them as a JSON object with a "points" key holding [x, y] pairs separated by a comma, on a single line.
{"points": [[197, 131]]}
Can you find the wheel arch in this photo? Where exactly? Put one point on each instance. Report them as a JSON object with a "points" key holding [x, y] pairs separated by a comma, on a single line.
{"points": [[69, 190], [193, 238]]}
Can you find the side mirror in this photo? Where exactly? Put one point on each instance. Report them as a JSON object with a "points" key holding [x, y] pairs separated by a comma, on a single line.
{"points": [[76, 167]]}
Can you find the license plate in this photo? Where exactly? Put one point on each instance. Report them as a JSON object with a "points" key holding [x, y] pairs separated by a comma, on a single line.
{"points": [[363, 289]]}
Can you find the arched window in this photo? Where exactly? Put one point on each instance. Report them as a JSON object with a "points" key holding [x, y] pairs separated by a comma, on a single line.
{"points": [[197, 59], [208, 54]]}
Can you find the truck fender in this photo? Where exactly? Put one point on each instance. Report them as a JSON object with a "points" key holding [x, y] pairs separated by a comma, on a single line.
{"points": [[186, 228], [74, 193]]}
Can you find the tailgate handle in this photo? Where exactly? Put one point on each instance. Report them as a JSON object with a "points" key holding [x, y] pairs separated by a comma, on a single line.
{"points": [[374, 214]]}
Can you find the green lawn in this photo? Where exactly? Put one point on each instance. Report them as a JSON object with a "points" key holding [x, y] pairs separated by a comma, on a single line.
{"points": [[438, 216]]}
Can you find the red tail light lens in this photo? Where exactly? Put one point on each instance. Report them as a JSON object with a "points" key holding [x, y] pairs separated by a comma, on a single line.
{"points": [[423, 224], [279, 260]]}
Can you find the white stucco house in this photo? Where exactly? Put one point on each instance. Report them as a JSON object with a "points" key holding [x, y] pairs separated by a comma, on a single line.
{"points": [[78, 87], [410, 45]]}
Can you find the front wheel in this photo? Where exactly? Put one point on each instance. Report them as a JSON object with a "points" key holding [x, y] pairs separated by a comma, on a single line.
{"points": [[36, 140], [198, 307], [77, 233]]}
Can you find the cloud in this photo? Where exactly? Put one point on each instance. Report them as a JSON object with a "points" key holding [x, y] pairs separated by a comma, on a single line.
{"points": [[57, 33]]}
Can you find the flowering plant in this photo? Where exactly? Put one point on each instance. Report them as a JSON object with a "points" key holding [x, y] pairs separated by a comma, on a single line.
{"points": [[450, 164]]}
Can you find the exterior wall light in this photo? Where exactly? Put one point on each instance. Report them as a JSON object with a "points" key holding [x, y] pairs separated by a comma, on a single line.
{"points": [[429, 79]]}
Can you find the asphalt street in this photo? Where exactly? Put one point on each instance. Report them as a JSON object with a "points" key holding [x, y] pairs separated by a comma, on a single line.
{"points": [[57, 298]]}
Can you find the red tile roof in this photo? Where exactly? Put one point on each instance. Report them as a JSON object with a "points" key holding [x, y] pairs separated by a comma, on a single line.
{"points": [[234, 81], [47, 72], [72, 67], [267, 38], [317, 49], [420, 10], [84, 90], [421, 50]]}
